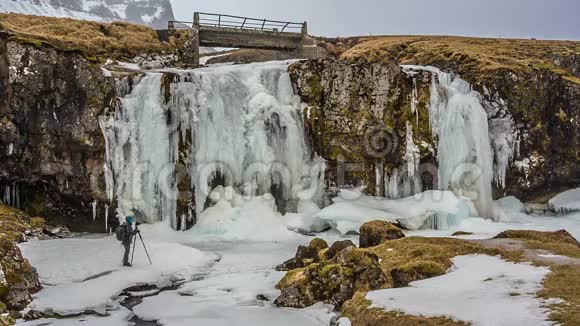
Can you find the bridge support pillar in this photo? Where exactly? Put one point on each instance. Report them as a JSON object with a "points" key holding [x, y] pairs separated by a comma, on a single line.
{"points": [[192, 47]]}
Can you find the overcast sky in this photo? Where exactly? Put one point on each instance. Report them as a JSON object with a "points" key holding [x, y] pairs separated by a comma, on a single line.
{"points": [[542, 19]]}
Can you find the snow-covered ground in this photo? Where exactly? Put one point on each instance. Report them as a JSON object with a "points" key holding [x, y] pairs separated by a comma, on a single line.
{"points": [[482, 290], [82, 275], [229, 259], [222, 292], [227, 294]]}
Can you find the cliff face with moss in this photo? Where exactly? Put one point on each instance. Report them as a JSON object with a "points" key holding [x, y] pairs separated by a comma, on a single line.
{"points": [[356, 117], [51, 147], [359, 105]]}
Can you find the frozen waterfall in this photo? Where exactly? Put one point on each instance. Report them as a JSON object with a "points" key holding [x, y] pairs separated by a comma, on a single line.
{"points": [[460, 124], [238, 125]]}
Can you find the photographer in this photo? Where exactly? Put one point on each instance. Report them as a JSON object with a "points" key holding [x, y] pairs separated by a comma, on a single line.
{"points": [[125, 233]]}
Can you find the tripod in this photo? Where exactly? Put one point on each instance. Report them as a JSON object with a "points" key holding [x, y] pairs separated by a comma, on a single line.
{"points": [[144, 247]]}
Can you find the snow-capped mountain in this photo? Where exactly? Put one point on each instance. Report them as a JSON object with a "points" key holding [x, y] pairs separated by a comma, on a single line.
{"points": [[154, 13]]}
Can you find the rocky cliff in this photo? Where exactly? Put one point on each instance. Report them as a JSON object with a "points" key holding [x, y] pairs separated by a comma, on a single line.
{"points": [[52, 149], [359, 105]]}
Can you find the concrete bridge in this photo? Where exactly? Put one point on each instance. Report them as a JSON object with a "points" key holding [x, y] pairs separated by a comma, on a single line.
{"points": [[217, 30]]}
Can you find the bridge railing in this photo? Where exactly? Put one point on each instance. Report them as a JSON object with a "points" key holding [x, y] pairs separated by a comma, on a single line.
{"points": [[238, 22]]}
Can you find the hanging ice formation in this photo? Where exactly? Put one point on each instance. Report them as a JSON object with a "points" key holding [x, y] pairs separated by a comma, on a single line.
{"points": [[460, 124], [237, 126], [12, 195], [405, 181]]}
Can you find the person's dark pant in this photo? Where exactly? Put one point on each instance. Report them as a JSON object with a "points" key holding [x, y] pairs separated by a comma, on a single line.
{"points": [[127, 252]]}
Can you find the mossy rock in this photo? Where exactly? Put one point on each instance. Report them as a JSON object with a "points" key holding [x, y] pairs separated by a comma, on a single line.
{"points": [[6, 321], [21, 279], [337, 247], [292, 277], [416, 271], [318, 244], [3, 290], [332, 281], [305, 255], [374, 233], [559, 242], [295, 292], [562, 236], [461, 233]]}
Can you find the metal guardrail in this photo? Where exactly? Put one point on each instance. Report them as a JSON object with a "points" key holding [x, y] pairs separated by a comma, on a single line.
{"points": [[242, 23]]}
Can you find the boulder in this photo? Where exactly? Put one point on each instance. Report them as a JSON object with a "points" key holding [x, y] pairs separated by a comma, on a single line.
{"points": [[305, 255], [294, 290], [337, 247], [374, 233], [332, 281]]}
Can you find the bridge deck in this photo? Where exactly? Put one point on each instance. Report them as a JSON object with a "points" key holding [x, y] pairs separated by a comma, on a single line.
{"points": [[216, 30]]}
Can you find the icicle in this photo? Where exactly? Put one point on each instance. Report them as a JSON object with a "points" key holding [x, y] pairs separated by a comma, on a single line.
{"points": [[412, 153], [392, 185], [7, 195], [504, 144], [379, 177], [183, 222], [94, 210], [415, 100], [106, 218], [13, 196], [10, 149], [17, 201]]}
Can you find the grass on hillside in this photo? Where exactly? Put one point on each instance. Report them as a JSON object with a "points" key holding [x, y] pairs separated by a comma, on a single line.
{"points": [[479, 55], [117, 39]]}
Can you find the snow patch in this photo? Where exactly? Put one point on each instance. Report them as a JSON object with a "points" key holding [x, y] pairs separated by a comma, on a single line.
{"points": [[234, 217], [568, 201], [430, 209], [479, 289]]}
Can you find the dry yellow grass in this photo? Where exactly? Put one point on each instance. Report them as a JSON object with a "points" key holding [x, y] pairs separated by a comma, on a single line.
{"points": [[474, 55], [95, 39], [564, 283]]}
